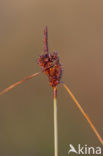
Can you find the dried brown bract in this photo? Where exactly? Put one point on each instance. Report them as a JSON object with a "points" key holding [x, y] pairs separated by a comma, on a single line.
{"points": [[50, 63]]}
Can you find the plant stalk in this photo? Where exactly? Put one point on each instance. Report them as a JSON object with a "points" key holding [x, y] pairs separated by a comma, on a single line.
{"points": [[55, 124]]}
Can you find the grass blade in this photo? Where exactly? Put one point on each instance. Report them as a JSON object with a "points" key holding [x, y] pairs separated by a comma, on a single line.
{"points": [[84, 114], [19, 82]]}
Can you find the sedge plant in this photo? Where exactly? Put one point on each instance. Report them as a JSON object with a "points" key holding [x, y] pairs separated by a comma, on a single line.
{"points": [[51, 66]]}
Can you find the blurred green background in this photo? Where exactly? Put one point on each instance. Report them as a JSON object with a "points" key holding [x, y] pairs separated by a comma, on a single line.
{"points": [[26, 112]]}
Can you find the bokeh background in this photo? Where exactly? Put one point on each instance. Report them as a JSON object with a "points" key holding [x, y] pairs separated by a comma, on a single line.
{"points": [[26, 112]]}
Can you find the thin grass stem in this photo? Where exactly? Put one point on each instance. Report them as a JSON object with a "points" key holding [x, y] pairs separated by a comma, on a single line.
{"points": [[84, 114], [17, 83], [55, 124]]}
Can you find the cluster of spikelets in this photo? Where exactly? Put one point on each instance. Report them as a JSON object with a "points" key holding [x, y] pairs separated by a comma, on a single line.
{"points": [[52, 68]]}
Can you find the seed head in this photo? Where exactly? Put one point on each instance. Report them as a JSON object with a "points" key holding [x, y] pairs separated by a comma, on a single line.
{"points": [[50, 63]]}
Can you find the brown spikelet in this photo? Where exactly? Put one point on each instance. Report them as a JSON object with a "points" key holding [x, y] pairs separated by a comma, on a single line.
{"points": [[50, 63]]}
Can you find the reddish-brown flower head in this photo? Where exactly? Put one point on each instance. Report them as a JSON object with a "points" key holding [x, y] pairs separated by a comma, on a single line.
{"points": [[50, 63]]}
